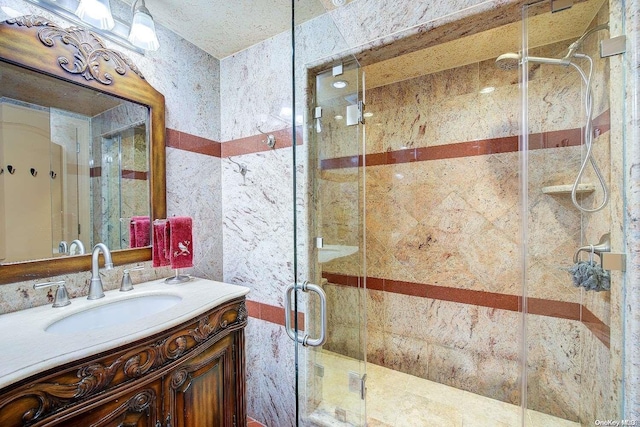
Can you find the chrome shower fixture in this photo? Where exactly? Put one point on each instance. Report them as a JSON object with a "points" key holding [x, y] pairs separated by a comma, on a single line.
{"points": [[511, 60]]}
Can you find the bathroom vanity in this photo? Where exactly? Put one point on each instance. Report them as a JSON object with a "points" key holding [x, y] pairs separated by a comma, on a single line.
{"points": [[182, 365]]}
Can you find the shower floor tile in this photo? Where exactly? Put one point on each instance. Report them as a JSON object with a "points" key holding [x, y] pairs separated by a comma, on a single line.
{"points": [[397, 399]]}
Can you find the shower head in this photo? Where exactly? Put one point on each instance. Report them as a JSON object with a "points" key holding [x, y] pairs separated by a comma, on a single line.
{"points": [[508, 61], [511, 60]]}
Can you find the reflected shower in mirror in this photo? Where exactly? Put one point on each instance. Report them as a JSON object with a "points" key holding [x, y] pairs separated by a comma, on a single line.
{"points": [[81, 166]]}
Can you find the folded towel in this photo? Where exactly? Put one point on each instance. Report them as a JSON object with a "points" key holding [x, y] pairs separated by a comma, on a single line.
{"points": [[180, 242], [139, 232], [160, 242]]}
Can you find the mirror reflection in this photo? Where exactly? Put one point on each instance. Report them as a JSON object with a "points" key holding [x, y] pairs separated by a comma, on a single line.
{"points": [[74, 168]]}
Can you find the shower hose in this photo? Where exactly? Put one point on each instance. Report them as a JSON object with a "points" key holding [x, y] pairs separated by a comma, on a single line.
{"points": [[588, 141]]}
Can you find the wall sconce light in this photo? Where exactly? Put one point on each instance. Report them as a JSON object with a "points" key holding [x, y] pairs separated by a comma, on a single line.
{"points": [[143, 30], [96, 13], [87, 13]]}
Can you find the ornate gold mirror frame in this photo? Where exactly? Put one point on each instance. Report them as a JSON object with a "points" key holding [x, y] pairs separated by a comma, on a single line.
{"points": [[78, 56]]}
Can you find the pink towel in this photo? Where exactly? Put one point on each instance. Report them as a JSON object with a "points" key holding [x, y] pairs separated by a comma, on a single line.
{"points": [[160, 242], [180, 242], [139, 232]]}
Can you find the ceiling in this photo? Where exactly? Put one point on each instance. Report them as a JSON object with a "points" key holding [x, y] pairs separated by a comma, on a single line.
{"points": [[224, 27]]}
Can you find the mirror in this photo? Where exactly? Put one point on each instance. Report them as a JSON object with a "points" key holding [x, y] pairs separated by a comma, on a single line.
{"points": [[81, 151]]}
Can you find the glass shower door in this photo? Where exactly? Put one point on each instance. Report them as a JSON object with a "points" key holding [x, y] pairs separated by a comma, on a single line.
{"points": [[332, 376], [573, 123]]}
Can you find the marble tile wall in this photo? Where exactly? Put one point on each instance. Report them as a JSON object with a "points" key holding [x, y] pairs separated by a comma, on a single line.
{"points": [[631, 17]]}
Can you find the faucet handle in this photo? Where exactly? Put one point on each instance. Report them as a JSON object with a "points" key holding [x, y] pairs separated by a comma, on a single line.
{"points": [[127, 284], [62, 297]]}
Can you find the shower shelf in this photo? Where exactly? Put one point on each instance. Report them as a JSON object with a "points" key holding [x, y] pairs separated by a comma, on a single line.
{"points": [[566, 189]]}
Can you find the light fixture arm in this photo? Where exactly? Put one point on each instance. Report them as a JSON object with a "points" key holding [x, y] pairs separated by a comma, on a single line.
{"points": [[139, 6]]}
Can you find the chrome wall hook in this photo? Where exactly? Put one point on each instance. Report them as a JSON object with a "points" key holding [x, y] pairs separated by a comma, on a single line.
{"points": [[53, 175], [33, 171], [242, 168], [604, 245], [271, 139], [11, 169]]}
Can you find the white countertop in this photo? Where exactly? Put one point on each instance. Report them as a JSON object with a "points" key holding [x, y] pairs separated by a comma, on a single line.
{"points": [[29, 349]]}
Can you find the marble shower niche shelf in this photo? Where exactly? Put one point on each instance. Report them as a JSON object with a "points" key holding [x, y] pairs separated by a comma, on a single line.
{"points": [[566, 189]]}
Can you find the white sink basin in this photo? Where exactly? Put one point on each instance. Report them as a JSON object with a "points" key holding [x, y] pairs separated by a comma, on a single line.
{"points": [[114, 313]]}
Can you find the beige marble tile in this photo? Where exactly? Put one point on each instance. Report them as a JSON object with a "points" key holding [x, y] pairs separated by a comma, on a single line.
{"points": [[397, 399]]}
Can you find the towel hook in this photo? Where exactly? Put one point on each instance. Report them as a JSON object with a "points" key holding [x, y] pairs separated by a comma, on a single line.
{"points": [[271, 139], [242, 168], [604, 245], [11, 169], [33, 171], [53, 175]]}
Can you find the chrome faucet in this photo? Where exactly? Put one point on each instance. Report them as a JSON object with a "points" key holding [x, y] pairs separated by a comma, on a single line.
{"points": [[95, 287], [76, 244]]}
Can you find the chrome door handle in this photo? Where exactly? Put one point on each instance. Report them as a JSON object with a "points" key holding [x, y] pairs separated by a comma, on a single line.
{"points": [[302, 337]]}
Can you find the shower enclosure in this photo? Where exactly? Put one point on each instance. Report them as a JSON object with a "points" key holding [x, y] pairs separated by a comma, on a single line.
{"points": [[442, 225]]}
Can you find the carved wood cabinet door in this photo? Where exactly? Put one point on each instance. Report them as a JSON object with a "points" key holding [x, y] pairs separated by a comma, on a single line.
{"points": [[201, 392], [136, 408]]}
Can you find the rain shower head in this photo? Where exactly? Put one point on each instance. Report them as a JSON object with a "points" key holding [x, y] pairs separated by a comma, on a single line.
{"points": [[511, 60]]}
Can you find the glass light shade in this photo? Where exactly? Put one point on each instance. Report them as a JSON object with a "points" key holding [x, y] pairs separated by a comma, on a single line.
{"points": [[96, 13], [143, 31]]}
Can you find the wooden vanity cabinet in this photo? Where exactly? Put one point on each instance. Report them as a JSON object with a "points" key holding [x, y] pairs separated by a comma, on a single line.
{"points": [[191, 375]]}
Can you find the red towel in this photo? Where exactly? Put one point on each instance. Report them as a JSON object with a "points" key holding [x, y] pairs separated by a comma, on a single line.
{"points": [[181, 242], [139, 232], [160, 242]]}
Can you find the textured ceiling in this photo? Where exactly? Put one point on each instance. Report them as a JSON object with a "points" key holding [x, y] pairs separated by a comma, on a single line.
{"points": [[224, 27]]}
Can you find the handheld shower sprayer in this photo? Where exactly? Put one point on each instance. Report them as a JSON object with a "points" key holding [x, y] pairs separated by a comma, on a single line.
{"points": [[511, 61]]}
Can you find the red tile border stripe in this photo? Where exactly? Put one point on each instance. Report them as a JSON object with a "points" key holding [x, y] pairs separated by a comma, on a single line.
{"points": [[195, 144], [509, 144], [253, 423], [257, 144], [596, 326], [96, 172], [131, 174], [542, 307], [236, 147], [271, 313]]}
